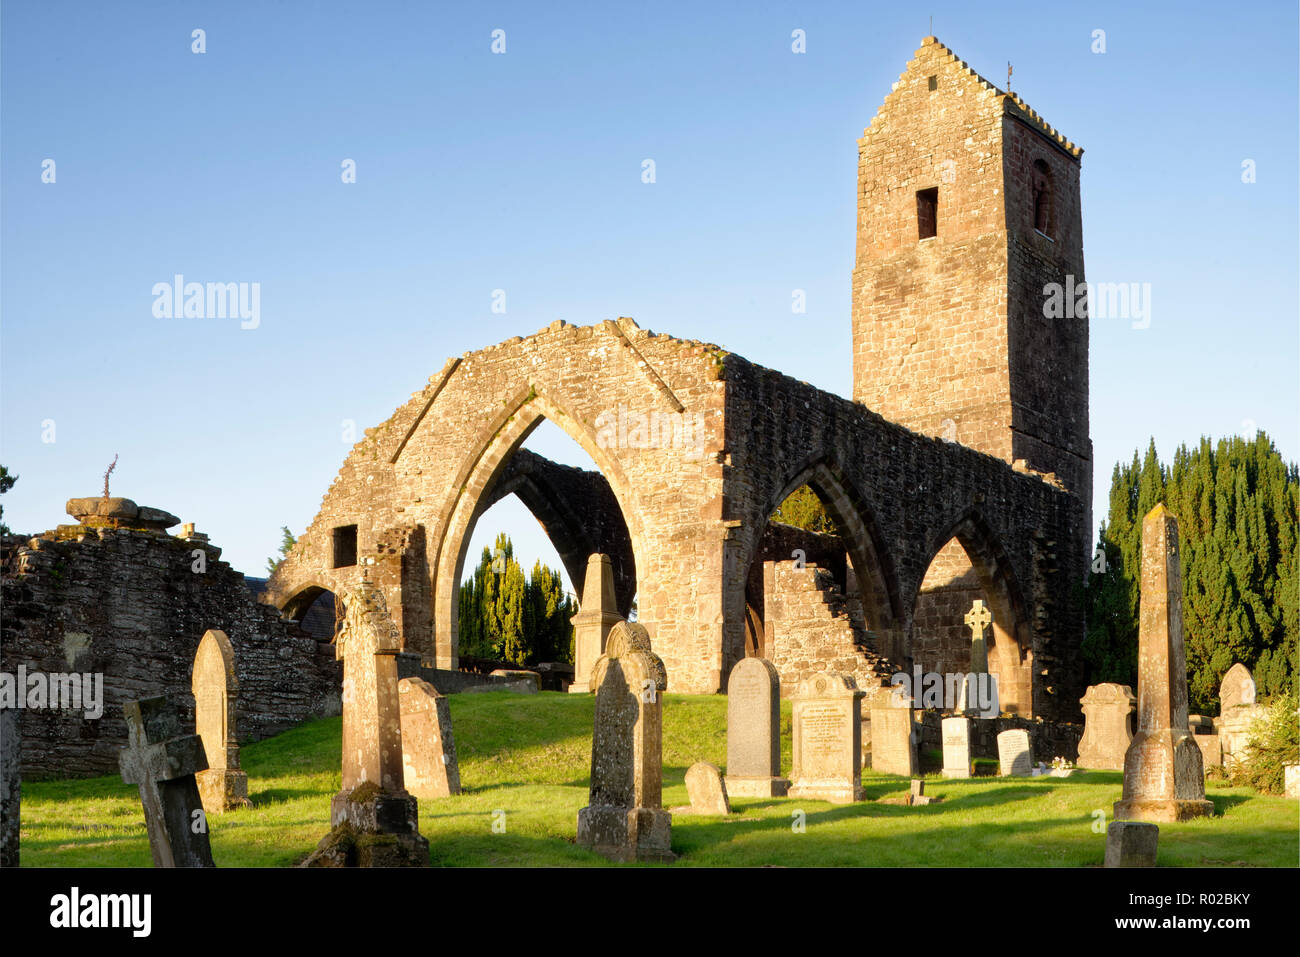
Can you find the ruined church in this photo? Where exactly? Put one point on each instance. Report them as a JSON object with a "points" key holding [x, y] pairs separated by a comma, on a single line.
{"points": [[961, 467]]}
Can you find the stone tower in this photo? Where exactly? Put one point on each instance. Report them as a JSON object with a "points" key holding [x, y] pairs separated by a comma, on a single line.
{"points": [[968, 205]]}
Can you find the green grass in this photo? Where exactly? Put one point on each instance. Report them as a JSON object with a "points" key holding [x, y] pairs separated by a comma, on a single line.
{"points": [[529, 756]]}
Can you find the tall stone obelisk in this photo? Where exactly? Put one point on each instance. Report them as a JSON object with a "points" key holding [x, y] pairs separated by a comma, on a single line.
{"points": [[1164, 773]]}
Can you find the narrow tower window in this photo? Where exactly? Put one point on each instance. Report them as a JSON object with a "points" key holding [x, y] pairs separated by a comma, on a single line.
{"points": [[1042, 194], [934, 83], [927, 212]]}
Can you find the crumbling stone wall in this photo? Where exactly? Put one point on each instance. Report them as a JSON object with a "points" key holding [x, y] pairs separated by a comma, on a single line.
{"points": [[128, 603]]}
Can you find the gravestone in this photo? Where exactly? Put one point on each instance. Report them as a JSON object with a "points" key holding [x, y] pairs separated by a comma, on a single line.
{"points": [[429, 765], [597, 614], [1107, 729], [1131, 844], [893, 750], [1164, 773], [828, 739], [1238, 712], [223, 785], [10, 787], [706, 789], [624, 819], [374, 821], [916, 797], [956, 747], [161, 761], [1015, 756], [978, 691], [1291, 781], [754, 730], [1207, 739]]}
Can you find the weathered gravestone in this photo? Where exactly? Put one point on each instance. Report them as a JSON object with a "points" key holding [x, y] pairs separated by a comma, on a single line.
{"points": [[1238, 712], [162, 761], [1131, 844], [1107, 729], [706, 789], [754, 730], [597, 614], [1015, 756], [10, 787], [429, 765], [624, 819], [892, 748], [373, 820], [223, 785], [956, 747], [1164, 774], [828, 739]]}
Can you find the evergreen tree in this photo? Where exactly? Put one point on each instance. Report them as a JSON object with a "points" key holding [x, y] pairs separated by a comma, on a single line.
{"points": [[504, 615], [1237, 506]]}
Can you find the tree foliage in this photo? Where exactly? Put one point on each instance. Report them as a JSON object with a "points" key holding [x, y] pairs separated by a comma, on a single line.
{"points": [[1236, 505], [6, 483], [803, 509], [507, 616], [287, 541]]}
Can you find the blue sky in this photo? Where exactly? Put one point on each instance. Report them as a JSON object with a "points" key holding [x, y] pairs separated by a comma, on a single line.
{"points": [[522, 171]]}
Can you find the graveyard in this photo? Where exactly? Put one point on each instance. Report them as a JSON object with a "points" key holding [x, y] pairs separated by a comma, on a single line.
{"points": [[874, 622], [529, 756]]}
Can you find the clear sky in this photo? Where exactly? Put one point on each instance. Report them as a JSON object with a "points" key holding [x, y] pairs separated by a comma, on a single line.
{"points": [[521, 171]]}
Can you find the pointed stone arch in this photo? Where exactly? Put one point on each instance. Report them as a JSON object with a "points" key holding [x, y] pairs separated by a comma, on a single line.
{"points": [[470, 496], [1011, 646]]}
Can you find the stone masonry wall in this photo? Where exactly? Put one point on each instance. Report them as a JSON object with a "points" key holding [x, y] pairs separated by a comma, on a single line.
{"points": [[949, 335], [126, 603], [809, 629]]}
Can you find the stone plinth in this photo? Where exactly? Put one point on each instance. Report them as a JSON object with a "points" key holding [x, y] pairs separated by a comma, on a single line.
{"points": [[1131, 844]]}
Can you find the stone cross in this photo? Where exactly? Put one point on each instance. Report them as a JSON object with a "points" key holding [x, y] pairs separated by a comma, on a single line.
{"points": [[1164, 772], [977, 619], [162, 762], [223, 785]]}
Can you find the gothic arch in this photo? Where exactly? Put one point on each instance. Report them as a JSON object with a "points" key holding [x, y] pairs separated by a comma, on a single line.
{"points": [[1012, 633], [471, 495]]}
